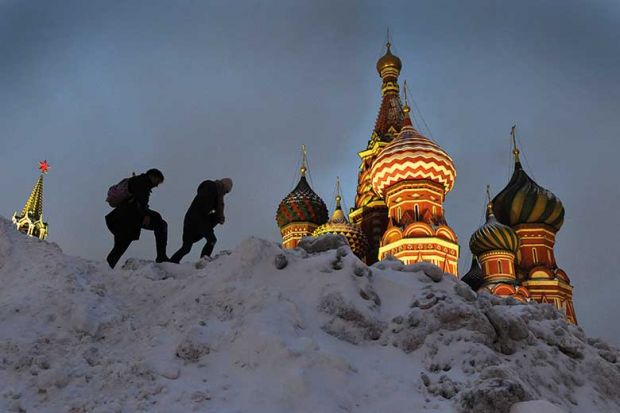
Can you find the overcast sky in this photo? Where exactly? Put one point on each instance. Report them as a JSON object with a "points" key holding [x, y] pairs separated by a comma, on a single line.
{"points": [[211, 89]]}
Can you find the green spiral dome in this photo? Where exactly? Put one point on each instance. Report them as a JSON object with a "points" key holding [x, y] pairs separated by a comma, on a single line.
{"points": [[523, 201], [493, 236]]}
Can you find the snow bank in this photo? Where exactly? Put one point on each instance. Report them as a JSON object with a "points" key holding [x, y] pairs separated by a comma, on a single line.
{"points": [[260, 329]]}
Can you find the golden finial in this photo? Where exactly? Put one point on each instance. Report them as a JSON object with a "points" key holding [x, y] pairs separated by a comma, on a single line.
{"points": [[406, 108], [515, 150], [388, 43], [489, 204], [338, 197], [304, 161]]}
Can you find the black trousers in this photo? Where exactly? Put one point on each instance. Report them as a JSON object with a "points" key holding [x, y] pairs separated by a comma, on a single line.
{"points": [[189, 238], [157, 225]]}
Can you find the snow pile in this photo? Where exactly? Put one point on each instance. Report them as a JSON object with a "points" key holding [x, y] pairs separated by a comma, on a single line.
{"points": [[264, 330]]}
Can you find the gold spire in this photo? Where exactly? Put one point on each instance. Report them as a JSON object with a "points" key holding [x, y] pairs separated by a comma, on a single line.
{"points": [[30, 221], [338, 196], [515, 150], [304, 161], [34, 203]]}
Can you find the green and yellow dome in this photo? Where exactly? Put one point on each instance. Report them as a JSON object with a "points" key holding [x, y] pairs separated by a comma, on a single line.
{"points": [[493, 236], [523, 201]]}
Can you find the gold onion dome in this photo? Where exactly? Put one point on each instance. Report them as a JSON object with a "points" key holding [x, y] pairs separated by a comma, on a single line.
{"points": [[523, 201], [493, 236], [301, 205], [338, 224], [388, 60], [412, 156]]}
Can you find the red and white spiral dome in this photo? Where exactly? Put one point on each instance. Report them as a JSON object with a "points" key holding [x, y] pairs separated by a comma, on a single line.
{"points": [[412, 156]]}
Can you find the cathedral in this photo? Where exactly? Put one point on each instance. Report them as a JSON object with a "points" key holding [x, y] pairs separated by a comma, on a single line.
{"points": [[403, 179]]}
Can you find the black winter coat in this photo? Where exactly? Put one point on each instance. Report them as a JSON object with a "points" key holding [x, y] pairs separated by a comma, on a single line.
{"points": [[126, 219], [202, 217]]}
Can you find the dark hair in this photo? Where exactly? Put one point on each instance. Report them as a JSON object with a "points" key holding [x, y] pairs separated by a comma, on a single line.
{"points": [[155, 173]]}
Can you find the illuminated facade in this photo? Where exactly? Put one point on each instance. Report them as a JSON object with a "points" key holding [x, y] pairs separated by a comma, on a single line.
{"points": [[536, 215], [403, 180], [494, 247], [402, 183], [30, 220], [370, 212]]}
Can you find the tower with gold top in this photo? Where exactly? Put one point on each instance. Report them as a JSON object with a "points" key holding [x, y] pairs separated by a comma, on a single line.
{"points": [[338, 224], [370, 212], [30, 219], [494, 247], [412, 174], [301, 211], [536, 215]]}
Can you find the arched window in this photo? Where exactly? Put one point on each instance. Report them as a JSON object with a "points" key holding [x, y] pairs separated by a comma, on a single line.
{"points": [[417, 212], [499, 266], [535, 255]]}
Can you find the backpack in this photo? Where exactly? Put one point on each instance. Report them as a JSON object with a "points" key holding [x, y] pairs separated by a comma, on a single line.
{"points": [[118, 193]]}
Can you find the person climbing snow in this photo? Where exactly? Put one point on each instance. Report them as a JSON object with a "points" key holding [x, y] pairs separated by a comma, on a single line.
{"points": [[204, 213], [131, 214]]}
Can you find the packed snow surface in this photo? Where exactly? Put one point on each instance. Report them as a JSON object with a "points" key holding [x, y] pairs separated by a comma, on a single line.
{"points": [[265, 330]]}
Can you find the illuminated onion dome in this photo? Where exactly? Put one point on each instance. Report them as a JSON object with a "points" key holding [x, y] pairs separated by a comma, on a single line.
{"points": [[301, 205], [474, 277], [388, 60], [493, 236], [338, 224], [412, 156], [523, 201]]}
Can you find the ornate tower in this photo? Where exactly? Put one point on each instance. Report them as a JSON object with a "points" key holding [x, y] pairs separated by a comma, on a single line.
{"points": [[413, 175], [495, 247], [338, 224], [536, 215], [370, 211], [30, 220], [301, 211]]}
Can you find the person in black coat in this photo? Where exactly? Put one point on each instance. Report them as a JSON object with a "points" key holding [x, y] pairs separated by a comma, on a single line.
{"points": [[204, 213], [128, 219]]}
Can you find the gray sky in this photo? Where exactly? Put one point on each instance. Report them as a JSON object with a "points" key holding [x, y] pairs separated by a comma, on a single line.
{"points": [[211, 89]]}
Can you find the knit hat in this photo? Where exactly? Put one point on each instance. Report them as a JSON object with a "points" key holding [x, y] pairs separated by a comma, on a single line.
{"points": [[227, 184]]}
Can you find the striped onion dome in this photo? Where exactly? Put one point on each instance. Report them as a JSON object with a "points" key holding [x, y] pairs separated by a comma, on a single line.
{"points": [[301, 205], [493, 236], [523, 201], [411, 156], [338, 224]]}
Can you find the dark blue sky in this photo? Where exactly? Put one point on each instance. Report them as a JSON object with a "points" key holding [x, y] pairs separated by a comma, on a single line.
{"points": [[214, 89]]}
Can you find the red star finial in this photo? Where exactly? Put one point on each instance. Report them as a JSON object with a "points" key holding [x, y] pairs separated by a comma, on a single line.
{"points": [[44, 166]]}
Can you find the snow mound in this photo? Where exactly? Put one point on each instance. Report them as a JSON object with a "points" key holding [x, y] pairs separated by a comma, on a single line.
{"points": [[261, 329]]}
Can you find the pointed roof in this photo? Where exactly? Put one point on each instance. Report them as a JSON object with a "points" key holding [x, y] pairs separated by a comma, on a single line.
{"points": [[338, 224], [34, 204], [474, 277], [30, 220], [390, 117]]}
